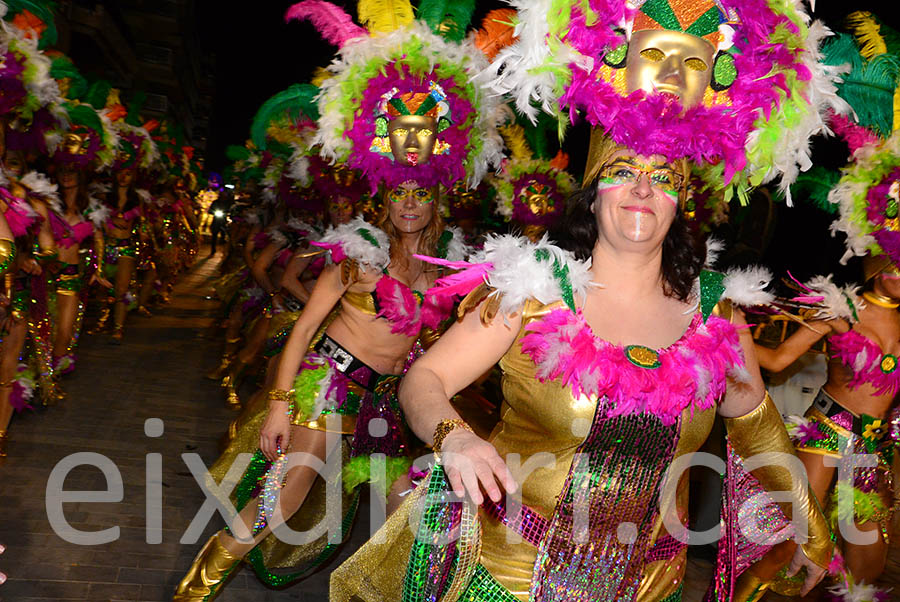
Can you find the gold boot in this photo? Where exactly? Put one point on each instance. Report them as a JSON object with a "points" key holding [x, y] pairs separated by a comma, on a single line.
{"points": [[749, 588], [207, 574], [231, 349], [3, 439], [100, 326], [231, 383]]}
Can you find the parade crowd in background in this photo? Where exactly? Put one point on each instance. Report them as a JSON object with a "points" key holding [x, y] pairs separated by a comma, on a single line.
{"points": [[410, 272]]}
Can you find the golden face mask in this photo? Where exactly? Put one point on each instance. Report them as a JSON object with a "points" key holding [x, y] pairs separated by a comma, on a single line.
{"points": [[535, 196], [463, 197], [75, 144], [412, 139], [669, 62]]}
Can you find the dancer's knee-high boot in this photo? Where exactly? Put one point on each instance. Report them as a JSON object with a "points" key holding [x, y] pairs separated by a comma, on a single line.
{"points": [[211, 568]]}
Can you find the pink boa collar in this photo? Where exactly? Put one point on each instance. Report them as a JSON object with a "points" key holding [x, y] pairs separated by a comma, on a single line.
{"points": [[864, 359], [407, 310], [691, 372]]}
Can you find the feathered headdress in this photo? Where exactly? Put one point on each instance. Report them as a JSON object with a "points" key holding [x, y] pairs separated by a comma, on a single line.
{"points": [[867, 195], [135, 146], [766, 90], [29, 96], [527, 176], [400, 65]]}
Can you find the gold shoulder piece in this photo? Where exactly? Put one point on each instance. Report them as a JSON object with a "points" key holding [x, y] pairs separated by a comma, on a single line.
{"points": [[349, 271], [474, 298], [725, 310]]}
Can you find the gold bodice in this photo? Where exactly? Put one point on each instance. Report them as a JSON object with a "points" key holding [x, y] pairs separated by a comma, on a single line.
{"points": [[546, 418]]}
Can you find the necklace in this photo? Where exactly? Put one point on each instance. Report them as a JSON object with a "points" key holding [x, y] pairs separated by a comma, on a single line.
{"points": [[881, 300]]}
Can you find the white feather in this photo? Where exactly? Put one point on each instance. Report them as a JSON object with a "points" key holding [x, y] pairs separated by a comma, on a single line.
{"points": [[97, 212], [714, 248], [517, 275], [746, 286], [144, 195], [856, 592], [358, 248], [457, 249], [837, 300], [39, 185]]}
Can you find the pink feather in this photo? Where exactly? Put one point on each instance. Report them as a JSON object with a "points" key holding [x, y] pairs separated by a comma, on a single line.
{"points": [[337, 251], [461, 283], [332, 22], [855, 135]]}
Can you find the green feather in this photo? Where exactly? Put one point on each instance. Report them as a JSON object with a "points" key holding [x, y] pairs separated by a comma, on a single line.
{"points": [[134, 109], [237, 153], [97, 93], [447, 18], [296, 103], [62, 67], [870, 85], [814, 186], [85, 115]]}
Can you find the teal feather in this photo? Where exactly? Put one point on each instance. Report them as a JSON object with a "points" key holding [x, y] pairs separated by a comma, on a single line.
{"points": [[297, 103], [814, 186], [870, 85], [447, 18]]}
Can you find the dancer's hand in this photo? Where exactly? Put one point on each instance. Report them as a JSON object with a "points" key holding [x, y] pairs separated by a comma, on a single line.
{"points": [[277, 426], [814, 573], [31, 266], [97, 278], [471, 463]]}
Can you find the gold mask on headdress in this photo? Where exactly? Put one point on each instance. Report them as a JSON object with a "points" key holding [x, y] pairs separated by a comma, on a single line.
{"points": [[535, 196], [463, 197], [671, 62], [412, 138], [75, 144], [343, 175]]}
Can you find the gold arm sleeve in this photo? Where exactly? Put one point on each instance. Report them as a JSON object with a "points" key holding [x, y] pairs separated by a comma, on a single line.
{"points": [[7, 254], [760, 431], [99, 252]]}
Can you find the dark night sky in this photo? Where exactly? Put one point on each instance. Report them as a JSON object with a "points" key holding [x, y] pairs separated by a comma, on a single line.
{"points": [[257, 55]]}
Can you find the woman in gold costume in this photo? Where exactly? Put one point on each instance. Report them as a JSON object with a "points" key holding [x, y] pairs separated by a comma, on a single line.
{"points": [[614, 364]]}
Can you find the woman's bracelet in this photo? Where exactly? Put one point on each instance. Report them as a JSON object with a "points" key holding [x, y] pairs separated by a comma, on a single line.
{"points": [[444, 428], [284, 396]]}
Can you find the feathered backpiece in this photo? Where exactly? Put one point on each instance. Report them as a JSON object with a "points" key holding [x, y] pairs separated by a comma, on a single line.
{"points": [[398, 66], [135, 147], [286, 116], [531, 189], [767, 91], [867, 195], [26, 86]]}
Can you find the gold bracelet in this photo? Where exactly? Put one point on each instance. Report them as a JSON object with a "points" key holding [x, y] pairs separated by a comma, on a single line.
{"points": [[287, 396], [445, 427]]}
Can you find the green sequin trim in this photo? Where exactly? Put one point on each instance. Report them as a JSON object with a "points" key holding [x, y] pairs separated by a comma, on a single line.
{"points": [[711, 289], [561, 275], [661, 12], [705, 24], [255, 558]]}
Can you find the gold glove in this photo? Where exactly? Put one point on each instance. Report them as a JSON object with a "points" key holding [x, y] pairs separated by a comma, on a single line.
{"points": [[760, 431]]}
